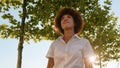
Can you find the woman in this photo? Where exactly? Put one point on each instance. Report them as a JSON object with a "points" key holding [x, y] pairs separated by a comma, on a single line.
{"points": [[69, 50]]}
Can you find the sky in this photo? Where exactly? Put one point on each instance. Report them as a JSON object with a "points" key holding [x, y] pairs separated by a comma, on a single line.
{"points": [[34, 53]]}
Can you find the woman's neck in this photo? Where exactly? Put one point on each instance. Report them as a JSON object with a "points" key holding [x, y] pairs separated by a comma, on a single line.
{"points": [[67, 35]]}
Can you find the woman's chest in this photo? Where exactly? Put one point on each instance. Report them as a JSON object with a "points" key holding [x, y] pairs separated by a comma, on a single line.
{"points": [[73, 50]]}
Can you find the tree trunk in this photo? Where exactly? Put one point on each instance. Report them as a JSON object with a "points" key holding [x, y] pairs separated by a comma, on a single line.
{"points": [[20, 48], [21, 40], [100, 61]]}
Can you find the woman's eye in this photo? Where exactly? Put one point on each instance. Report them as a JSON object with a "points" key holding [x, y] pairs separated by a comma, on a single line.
{"points": [[62, 18]]}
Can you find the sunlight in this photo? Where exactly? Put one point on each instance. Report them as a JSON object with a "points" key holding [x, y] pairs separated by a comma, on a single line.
{"points": [[92, 59]]}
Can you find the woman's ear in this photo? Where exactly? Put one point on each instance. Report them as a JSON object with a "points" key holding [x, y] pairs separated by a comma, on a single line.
{"points": [[55, 28]]}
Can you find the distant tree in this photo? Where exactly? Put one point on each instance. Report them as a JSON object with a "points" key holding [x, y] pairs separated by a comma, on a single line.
{"points": [[37, 18]]}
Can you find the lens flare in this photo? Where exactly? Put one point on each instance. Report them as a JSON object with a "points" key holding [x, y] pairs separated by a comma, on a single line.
{"points": [[92, 59]]}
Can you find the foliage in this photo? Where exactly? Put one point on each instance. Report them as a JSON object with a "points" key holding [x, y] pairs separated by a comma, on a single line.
{"points": [[99, 23]]}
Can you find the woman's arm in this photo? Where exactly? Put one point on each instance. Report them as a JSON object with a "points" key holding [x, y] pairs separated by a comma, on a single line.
{"points": [[50, 63], [88, 64]]}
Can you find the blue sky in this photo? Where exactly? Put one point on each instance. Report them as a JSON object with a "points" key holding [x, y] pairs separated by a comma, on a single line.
{"points": [[34, 53], [116, 9]]}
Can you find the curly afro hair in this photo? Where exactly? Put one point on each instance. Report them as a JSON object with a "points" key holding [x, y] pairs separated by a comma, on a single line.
{"points": [[78, 20]]}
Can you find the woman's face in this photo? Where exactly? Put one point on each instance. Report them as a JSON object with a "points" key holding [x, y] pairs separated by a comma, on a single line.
{"points": [[67, 22]]}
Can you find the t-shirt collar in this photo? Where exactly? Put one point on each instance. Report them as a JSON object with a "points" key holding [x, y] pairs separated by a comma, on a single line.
{"points": [[74, 36]]}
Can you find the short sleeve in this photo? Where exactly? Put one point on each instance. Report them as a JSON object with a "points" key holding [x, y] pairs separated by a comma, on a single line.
{"points": [[50, 53], [87, 50]]}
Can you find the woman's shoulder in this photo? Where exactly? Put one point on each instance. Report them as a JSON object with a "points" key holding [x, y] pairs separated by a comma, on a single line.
{"points": [[57, 40], [82, 38]]}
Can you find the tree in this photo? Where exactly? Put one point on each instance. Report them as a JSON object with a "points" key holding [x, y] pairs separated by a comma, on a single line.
{"points": [[101, 26], [37, 18]]}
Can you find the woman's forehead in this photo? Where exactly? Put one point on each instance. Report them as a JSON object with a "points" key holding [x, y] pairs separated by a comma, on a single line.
{"points": [[67, 15]]}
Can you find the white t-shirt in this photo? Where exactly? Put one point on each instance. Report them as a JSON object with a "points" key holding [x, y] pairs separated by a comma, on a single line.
{"points": [[71, 54]]}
